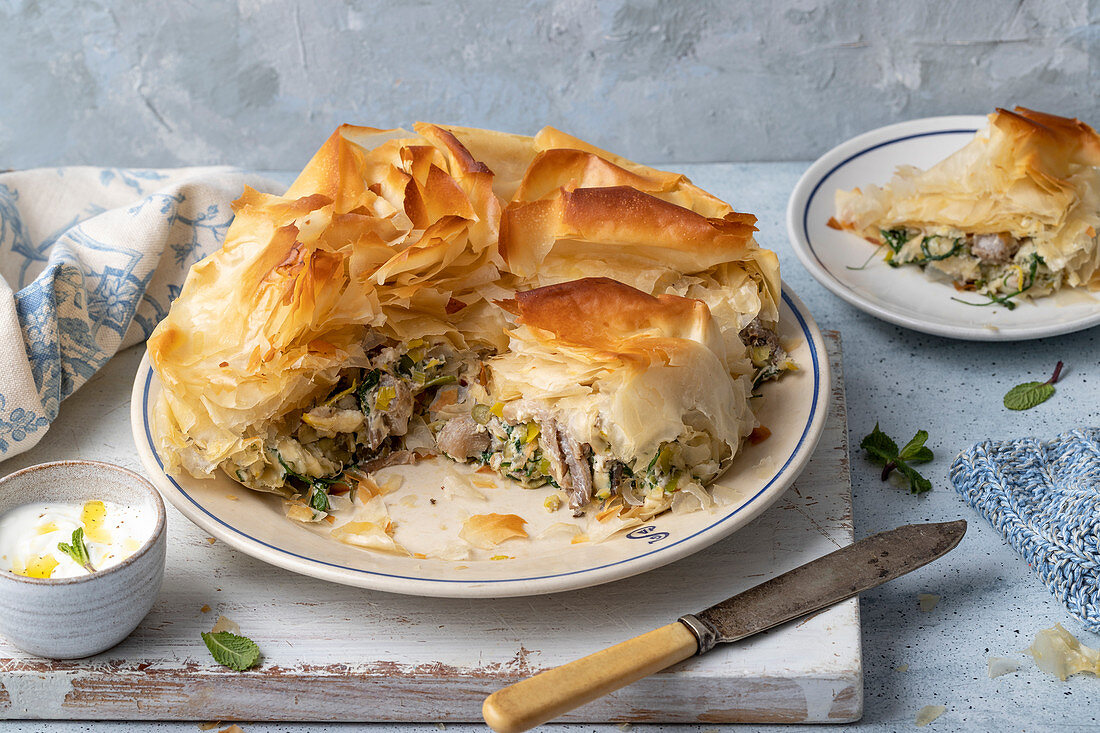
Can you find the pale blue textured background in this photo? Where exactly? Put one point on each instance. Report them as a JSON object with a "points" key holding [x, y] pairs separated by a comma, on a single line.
{"points": [[260, 83], [992, 604]]}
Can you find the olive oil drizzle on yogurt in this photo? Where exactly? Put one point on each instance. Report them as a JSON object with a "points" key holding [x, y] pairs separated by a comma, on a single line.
{"points": [[30, 535]]}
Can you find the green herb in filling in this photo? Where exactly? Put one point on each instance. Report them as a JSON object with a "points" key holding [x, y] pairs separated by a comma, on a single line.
{"points": [[318, 487], [369, 382], [956, 248], [895, 239], [1006, 300]]}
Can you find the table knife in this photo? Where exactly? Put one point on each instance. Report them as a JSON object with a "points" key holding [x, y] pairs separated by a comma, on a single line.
{"points": [[808, 588]]}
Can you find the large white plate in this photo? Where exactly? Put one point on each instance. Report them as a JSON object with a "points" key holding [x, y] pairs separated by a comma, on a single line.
{"points": [[906, 296], [793, 408]]}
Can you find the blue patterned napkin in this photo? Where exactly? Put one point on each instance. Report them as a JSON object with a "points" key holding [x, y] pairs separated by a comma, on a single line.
{"points": [[90, 259], [1045, 499]]}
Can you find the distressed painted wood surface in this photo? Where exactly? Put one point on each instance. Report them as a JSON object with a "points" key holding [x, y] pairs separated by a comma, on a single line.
{"points": [[336, 653]]}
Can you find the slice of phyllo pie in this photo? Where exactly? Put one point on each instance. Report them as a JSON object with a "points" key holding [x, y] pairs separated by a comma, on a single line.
{"points": [[604, 391], [1014, 213]]}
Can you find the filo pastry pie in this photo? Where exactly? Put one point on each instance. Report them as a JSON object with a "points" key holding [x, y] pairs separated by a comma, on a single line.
{"points": [[1013, 213], [608, 391], [416, 294]]}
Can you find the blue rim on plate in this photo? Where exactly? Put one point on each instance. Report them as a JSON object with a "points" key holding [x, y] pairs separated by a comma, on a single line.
{"points": [[849, 159], [1039, 318], [264, 549]]}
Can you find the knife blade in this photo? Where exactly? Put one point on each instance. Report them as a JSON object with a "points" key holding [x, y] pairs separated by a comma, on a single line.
{"points": [[816, 585], [823, 582]]}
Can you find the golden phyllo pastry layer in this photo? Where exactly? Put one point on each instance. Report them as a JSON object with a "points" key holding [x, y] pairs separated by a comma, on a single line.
{"points": [[535, 305]]}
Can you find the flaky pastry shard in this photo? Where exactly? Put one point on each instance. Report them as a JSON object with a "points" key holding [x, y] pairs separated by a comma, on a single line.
{"points": [[1013, 213], [489, 530]]}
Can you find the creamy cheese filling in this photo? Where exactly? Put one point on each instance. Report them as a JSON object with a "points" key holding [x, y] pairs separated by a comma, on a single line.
{"points": [[540, 452], [426, 397], [998, 266], [372, 416]]}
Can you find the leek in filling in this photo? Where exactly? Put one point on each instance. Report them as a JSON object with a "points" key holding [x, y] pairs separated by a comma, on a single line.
{"points": [[998, 266], [426, 397]]}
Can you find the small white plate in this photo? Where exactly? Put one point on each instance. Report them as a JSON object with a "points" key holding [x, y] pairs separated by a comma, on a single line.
{"points": [[794, 409], [906, 296]]}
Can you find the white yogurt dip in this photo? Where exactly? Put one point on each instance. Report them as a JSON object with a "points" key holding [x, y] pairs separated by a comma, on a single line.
{"points": [[30, 534]]}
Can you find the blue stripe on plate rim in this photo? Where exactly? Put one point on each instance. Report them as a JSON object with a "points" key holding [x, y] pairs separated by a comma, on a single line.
{"points": [[814, 356], [849, 159]]}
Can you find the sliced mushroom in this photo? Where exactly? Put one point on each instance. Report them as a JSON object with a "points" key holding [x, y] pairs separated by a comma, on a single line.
{"points": [[462, 438], [995, 249], [580, 473]]}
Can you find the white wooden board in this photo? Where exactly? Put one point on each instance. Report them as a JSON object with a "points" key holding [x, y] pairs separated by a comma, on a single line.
{"points": [[338, 653]]}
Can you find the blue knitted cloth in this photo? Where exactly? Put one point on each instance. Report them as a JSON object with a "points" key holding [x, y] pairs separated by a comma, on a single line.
{"points": [[1044, 497]]}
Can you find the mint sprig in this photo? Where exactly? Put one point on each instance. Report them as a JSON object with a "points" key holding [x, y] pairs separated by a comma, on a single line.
{"points": [[884, 451], [229, 650], [78, 550], [1029, 394]]}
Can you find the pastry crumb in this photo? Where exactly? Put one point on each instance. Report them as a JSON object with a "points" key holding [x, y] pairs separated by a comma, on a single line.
{"points": [[1060, 653], [929, 713], [225, 624], [1001, 665]]}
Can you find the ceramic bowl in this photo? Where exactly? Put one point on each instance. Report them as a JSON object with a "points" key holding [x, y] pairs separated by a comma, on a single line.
{"points": [[68, 618]]}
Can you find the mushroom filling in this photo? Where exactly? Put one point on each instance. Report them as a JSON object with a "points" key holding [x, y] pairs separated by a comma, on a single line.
{"points": [[539, 452], [998, 265], [536, 453], [371, 417], [425, 398], [768, 356]]}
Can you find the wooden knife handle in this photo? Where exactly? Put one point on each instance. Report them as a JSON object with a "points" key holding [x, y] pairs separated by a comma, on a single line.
{"points": [[547, 695]]}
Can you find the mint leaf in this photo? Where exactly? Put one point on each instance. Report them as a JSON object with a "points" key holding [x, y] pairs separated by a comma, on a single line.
{"points": [[915, 447], [917, 484], [884, 451], [924, 455], [228, 649], [78, 551], [1027, 395], [880, 446]]}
